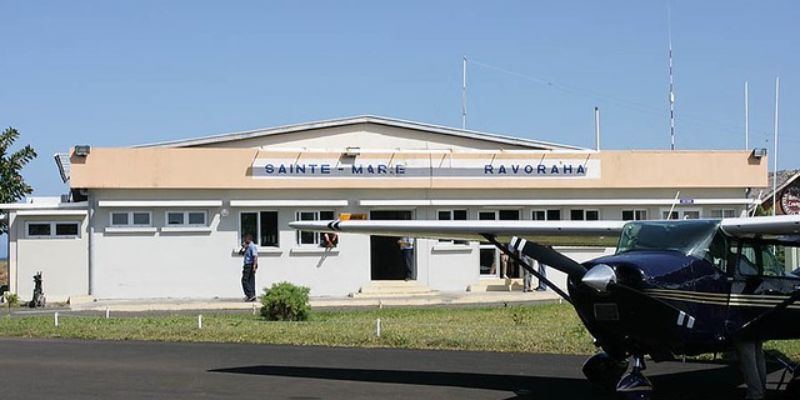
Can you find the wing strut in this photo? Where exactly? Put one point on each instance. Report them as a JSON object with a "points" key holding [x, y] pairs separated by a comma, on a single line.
{"points": [[753, 323], [513, 255]]}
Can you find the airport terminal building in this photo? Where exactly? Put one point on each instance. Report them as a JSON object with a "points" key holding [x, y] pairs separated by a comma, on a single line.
{"points": [[167, 220]]}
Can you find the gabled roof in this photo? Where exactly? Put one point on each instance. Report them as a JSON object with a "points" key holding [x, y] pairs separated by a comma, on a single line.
{"points": [[365, 119], [784, 178]]}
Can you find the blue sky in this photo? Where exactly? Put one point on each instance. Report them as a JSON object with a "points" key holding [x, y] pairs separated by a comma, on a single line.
{"points": [[129, 72]]}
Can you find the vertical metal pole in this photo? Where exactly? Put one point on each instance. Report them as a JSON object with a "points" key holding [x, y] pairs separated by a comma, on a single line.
{"points": [[55, 319], [378, 328], [775, 155], [464, 94], [200, 321], [597, 129], [671, 86], [746, 118]]}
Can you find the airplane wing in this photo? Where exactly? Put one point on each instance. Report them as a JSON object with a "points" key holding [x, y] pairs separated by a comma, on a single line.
{"points": [[781, 225], [575, 233]]}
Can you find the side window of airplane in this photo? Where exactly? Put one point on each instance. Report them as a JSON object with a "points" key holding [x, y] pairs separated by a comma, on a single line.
{"points": [[718, 252], [746, 263], [761, 259]]}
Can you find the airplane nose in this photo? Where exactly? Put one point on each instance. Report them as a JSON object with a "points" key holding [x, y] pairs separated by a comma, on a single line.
{"points": [[599, 277]]}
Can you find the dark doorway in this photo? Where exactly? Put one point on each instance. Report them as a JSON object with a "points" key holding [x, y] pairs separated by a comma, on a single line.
{"points": [[386, 260]]}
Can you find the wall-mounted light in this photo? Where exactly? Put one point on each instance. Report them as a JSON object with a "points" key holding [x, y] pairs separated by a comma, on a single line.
{"points": [[82, 150], [759, 153], [352, 151]]}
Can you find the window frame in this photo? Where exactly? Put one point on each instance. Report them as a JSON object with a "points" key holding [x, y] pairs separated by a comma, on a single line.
{"points": [[317, 242], [584, 212], [130, 223], [722, 213], [186, 218], [635, 211], [452, 213], [257, 233], [546, 212], [681, 212], [53, 229]]}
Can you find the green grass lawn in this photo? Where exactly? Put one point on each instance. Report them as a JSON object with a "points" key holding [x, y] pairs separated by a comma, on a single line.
{"points": [[550, 328]]}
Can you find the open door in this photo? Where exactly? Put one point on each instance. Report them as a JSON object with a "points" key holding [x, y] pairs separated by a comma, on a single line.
{"points": [[386, 259]]}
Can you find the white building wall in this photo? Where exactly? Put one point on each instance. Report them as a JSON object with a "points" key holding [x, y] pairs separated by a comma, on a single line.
{"points": [[62, 261], [205, 263]]}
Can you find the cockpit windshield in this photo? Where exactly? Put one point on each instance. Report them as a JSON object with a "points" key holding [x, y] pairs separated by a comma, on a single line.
{"points": [[686, 236]]}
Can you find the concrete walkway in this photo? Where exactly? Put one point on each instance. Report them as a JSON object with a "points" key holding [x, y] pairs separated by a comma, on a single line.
{"points": [[439, 298]]}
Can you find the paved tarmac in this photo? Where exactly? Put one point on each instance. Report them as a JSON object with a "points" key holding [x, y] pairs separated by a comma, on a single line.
{"points": [[68, 369]]}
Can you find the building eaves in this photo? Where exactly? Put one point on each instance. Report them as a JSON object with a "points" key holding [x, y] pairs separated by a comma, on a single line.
{"points": [[364, 119]]}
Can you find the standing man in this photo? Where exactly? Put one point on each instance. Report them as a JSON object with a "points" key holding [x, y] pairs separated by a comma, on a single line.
{"points": [[250, 252], [407, 248]]}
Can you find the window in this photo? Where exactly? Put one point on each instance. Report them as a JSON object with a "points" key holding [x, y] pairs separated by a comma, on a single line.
{"points": [[262, 225], [186, 218], [53, 229], [452, 215], [508, 215], [39, 229], [762, 259], [634, 215], [680, 214], [584, 215], [311, 238], [131, 218], [723, 213], [546, 215]]}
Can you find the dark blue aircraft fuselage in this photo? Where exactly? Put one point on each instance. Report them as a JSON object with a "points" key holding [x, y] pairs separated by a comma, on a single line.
{"points": [[667, 303]]}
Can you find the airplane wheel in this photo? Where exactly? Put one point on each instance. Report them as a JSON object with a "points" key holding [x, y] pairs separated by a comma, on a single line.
{"points": [[634, 386], [603, 371], [792, 391]]}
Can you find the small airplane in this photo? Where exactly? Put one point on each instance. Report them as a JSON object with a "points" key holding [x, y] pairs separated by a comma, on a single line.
{"points": [[673, 287]]}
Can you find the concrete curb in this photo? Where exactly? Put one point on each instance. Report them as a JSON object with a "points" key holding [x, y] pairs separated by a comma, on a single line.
{"points": [[143, 305]]}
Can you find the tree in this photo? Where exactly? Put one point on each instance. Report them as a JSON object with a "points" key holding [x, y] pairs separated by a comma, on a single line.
{"points": [[12, 186]]}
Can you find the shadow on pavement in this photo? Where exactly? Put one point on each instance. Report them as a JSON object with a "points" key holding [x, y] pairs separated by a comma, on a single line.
{"points": [[715, 381]]}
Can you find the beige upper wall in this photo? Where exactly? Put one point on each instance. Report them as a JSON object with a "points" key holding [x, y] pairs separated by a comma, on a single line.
{"points": [[220, 168]]}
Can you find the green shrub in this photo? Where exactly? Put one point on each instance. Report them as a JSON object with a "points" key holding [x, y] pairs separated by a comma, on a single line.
{"points": [[11, 300], [285, 302]]}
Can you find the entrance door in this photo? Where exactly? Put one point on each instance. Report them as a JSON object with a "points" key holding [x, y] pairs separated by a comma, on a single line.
{"points": [[386, 259], [491, 262]]}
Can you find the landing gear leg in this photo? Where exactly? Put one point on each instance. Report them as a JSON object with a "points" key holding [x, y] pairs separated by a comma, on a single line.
{"points": [[634, 385], [603, 371]]}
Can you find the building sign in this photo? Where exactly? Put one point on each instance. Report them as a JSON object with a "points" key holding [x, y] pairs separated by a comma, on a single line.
{"points": [[422, 168], [790, 200]]}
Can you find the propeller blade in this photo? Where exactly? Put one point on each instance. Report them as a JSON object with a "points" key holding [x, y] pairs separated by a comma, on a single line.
{"points": [[549, 257]]}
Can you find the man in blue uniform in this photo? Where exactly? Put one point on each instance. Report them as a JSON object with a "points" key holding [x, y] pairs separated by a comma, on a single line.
{"points": [[250, 252]]}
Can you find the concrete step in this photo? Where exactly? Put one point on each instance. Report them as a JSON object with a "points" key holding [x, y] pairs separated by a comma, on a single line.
{"points": [[393, 288], [497, 285]]}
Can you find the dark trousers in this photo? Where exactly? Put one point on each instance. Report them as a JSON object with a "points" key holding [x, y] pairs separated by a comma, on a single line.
{"points": [[249, 280], [408, 260]]}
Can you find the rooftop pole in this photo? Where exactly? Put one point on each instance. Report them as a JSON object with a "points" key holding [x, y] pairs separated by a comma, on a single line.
{"points": [[597, 129], [775, 155], [671, 83], [746, 118], [464, 94]]}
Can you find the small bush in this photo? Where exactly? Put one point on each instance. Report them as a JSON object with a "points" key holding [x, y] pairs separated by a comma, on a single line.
{"points": [[11, 300], [285, 302]]}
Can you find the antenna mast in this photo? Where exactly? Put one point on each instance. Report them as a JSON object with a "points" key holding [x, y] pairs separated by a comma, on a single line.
{"points": [[464, 94], [746, 118], [671, 83], [775, 156]]}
